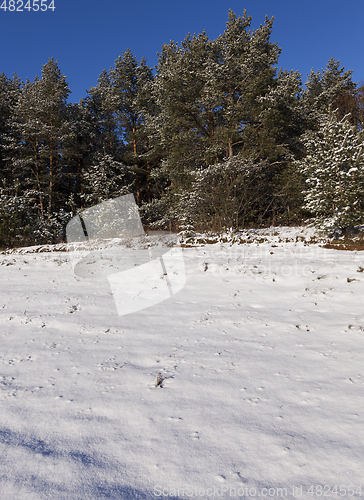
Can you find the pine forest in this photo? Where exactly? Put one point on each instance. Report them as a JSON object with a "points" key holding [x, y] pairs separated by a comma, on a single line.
{"points": [[216, 136]]}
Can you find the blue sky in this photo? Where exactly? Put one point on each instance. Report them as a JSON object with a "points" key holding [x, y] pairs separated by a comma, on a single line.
{"points": [[86, 36]]}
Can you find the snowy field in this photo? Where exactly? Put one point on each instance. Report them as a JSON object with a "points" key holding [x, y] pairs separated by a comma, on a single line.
{"points": [[247, 383]]}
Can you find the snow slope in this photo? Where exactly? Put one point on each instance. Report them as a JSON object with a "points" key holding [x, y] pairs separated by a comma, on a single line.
{"points": [[248, 380]]}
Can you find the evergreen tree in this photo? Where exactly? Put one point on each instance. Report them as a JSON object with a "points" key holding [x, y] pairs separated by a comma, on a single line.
{"points": [[14, 220], [334, 172], [52, 96], [118, 104], [248, 60], [283, 121], [105, 179], [207, 94], [186, 95], [130, 81], [38, 129], [9, 94], [102, 105], [327, 88], [282, 118], [80, 147]]}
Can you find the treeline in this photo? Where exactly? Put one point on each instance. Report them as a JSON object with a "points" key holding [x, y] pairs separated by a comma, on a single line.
{"points": [[215, 137]]}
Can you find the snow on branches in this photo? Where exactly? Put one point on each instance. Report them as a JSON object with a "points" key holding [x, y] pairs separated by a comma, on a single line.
{"points": [[334, 172]]}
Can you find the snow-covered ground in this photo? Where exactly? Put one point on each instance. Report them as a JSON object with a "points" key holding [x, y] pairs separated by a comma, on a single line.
{"points": [[247, 383]]}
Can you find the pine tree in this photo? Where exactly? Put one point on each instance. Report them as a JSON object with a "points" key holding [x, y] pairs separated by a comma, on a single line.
{"points": [[207, 94], [38, 129], [14, 220], [248, 60], [283, 121], [102, 105], [80, 147], [325, 89], [9, 94], [334, 172], [53, 93], [105, 179], [130, 81], [34, 147], [13, 217], [186, 93]]}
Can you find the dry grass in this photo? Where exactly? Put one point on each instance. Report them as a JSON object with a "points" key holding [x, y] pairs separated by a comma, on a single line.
{"points": [[352, 245]]}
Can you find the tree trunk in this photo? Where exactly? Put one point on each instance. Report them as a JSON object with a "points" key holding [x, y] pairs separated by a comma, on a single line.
{"points": [[230, 148], [135, 165], [37, 177]]}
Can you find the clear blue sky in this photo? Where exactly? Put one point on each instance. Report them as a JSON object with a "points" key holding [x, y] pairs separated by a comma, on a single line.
{"points": [[86, 36]]}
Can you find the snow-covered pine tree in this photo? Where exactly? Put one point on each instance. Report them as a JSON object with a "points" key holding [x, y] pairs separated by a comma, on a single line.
{"points": [[130, 81], [9, 94], [206, 93], [105, 179], [79, 151], [102, 104], [35, 144], [185, 90], [247, 70], [283, 121], [334, 172], [118, 104], [326, 88], [13, 214], [14, 220], [282, 117], [52, 93]]}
